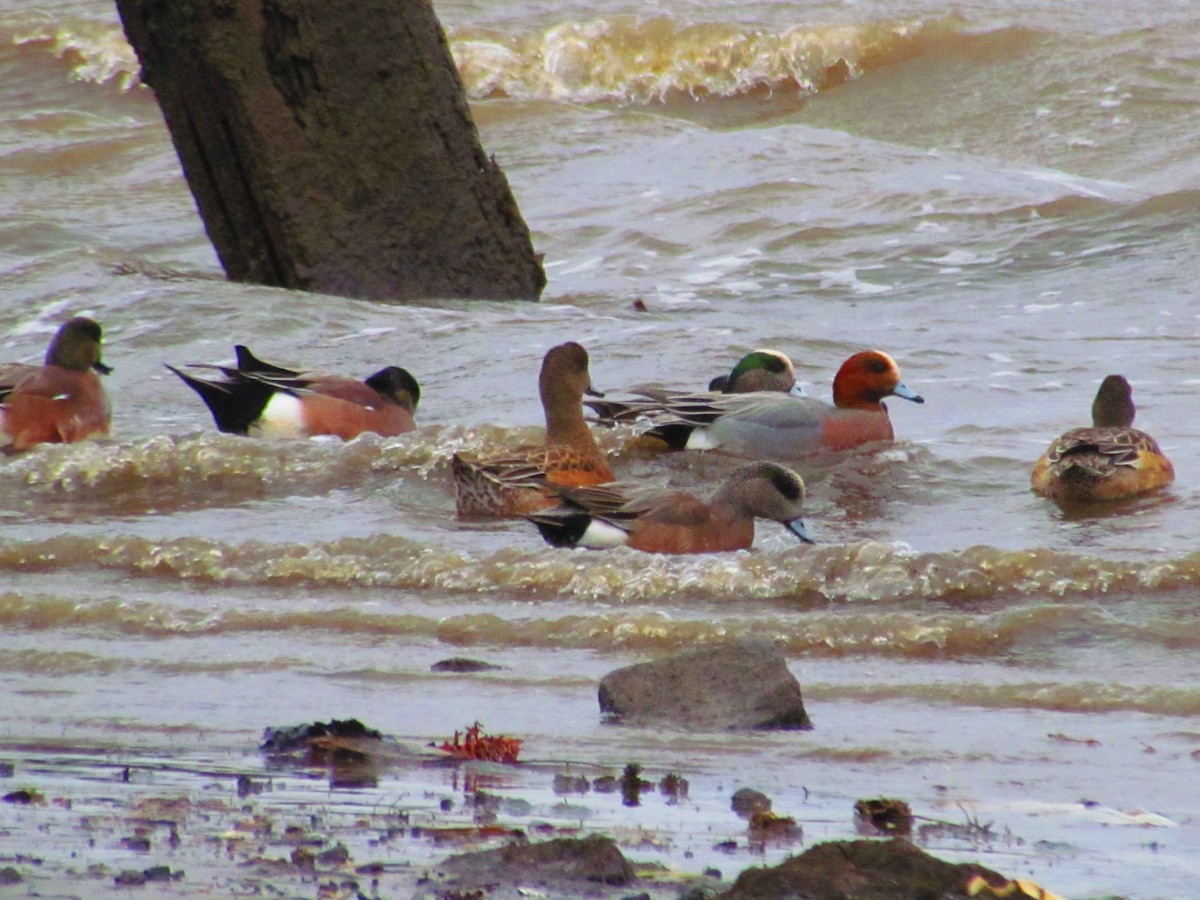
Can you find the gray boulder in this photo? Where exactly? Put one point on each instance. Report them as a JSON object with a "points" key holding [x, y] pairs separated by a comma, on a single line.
{"points": [[743, 683]]}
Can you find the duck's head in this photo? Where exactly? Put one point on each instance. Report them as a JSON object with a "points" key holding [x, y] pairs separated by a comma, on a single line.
{"points": [[76, 346], [1113, 406], [565, 372], [762, 370], [866, 378]]}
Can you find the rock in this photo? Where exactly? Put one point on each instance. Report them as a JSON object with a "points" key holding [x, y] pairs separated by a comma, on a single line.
{"points": [[565, 783], [300, 737], [860, 870], [747, 801], [24, 797], [462, 664], [740, 684], [883, 816], [593, 859]]}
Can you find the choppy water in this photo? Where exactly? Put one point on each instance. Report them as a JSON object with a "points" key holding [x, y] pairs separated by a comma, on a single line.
{"points": [[1002, 195]]}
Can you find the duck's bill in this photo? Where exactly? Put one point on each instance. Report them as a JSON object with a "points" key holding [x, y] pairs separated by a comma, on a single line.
{"points": [[800, 530], [102, 368], [797, 391], [592, 392], [903, 390]]}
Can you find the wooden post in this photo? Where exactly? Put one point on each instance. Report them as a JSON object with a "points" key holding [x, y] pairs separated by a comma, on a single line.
{"points": [[329, 146]]}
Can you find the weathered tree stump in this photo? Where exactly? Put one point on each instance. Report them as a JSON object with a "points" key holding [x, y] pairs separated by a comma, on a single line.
{"points": [[329, 146]]}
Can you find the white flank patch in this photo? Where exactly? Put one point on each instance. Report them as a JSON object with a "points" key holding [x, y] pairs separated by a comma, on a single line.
{"points": [[702, 439], [600, 535], [282, 417]]}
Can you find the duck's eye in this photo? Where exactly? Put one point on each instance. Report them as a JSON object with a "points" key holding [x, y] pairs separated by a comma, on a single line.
{"points": [[877, 366], [785, 482], [775, 364]]}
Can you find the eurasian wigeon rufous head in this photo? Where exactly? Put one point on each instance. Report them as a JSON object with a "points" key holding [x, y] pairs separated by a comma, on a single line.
{"points": [[866, 378]]}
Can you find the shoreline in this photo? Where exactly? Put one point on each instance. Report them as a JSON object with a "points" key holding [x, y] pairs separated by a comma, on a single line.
{"points": [[230, 824]]}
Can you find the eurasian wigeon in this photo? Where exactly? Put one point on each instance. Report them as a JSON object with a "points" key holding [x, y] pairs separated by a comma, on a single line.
{"points": [[1108, 461], [781, 426], [61, 401], [514, 484], [260, 399], [664, 521]]}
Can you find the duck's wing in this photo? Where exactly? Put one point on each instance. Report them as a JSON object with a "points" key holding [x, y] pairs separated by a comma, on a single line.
{"points": [[1114, 446], [692, 408], [14, 374]]}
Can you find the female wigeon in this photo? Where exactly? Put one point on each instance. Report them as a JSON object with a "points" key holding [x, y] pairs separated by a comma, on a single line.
{"points": [[61, 401], [781, 426], [659, 521], [1108, 461], [515, 483], [260, 399]]}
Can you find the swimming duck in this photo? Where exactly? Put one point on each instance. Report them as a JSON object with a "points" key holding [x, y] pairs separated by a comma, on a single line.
{"points": [[664, 521], [260, 399], [61, 401], [781, 426], [515, 483], [759, 370], [1108, 461]]}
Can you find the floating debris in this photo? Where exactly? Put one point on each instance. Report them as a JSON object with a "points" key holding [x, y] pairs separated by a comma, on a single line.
{"points": [[474, 744]]}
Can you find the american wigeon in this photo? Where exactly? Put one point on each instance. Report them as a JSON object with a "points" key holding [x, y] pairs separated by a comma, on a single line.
{"points": [[61, 401], [778, 425], [759, 370], [1108, 461], [663, 521], [261, 399], [516, 483]]}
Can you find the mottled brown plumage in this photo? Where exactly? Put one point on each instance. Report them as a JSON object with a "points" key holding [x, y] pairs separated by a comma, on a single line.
{"points": [[1109, 460], [515, 483]]}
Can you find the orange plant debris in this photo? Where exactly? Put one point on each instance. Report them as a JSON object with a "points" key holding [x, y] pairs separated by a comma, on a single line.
{"points": [[476, 745]]}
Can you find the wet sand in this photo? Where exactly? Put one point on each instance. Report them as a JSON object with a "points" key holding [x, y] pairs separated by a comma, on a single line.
{"points": [[78, 823], [82, 821]]}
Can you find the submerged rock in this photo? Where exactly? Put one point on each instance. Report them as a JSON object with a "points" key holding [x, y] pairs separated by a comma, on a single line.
{"points": [[547, 864], [740, 684], [860, 870], [300, 737], [747, 801], [462, 664]]}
